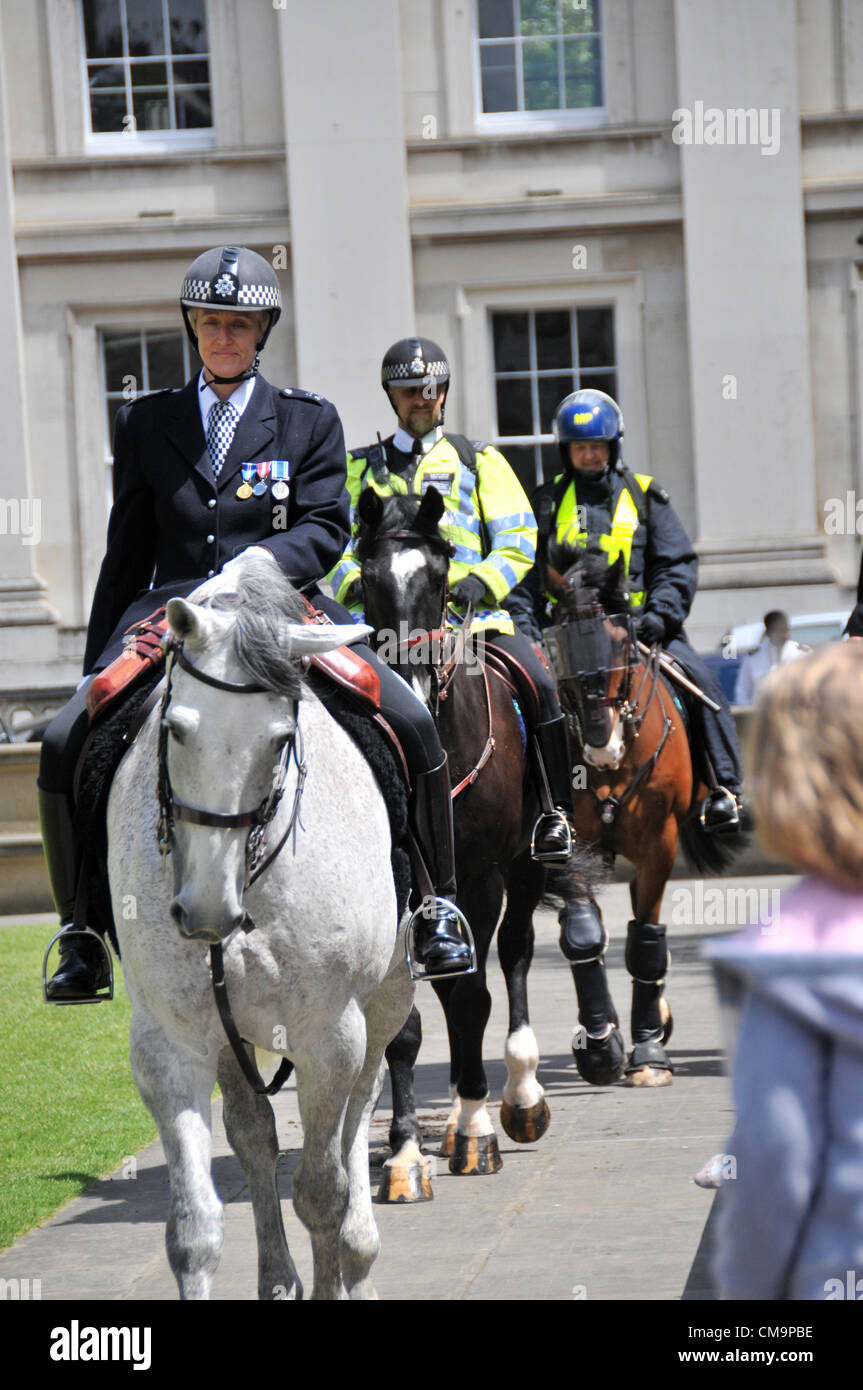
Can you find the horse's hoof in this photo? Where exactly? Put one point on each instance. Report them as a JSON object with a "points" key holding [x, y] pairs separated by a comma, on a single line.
{"points": [[475, 1154], [601, 1060], [648, 1065], [405, 1182], [525, 1123], [666, 1019], [447, 1144]]}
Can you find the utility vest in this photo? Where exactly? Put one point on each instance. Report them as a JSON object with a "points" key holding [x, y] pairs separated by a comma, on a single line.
{"points": [[624, 524]]}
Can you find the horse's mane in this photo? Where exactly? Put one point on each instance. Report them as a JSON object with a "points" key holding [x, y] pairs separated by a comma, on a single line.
{"points": [[589, 570], [263, 601]]}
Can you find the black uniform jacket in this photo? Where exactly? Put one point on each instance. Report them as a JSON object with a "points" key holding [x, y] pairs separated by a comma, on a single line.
{"points": [[662, 562], [172, 525]]}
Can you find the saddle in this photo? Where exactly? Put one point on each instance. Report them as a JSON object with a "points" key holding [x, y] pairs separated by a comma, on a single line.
{"points": [[516, 678]]}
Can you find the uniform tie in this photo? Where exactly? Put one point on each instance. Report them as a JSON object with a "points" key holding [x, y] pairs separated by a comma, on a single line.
{"points": [[221, 424]]}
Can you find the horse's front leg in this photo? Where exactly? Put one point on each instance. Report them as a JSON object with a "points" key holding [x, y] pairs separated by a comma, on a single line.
{"points": [[646, 961], [524, 1113], [251, 1129], [326, 1077], [176, 1087], [405, 1176]]}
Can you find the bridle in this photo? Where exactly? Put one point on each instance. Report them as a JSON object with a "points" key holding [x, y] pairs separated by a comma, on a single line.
{"points": [[257, 857]]}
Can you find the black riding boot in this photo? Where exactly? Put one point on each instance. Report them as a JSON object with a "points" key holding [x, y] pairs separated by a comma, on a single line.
{"points": [[84, 968], [551, 842], [439, 938]]}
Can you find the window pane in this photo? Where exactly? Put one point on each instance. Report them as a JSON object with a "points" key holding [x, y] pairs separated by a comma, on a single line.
{"points": [[105, 75], [122, 359], [552, 463], [499, 89], [583, 72], [496, 19], [553, 339], [192, 108], [600, 381], [541, 86], [522, 460], [188, 26], [595, 337], [103, 31], [514, 408], [146, 31], [540, 16], [107, 112], [582, 18], [149, 74], [151, 110], [165, 359], [552, 390], [190, 72], [113, 407], [511, 342]]}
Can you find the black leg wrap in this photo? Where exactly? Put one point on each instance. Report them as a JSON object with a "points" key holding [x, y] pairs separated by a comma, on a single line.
{"points": [[646, 1019], [647, 960], [647, 956], [595, 1009], [583, 938], [598, 1046]]}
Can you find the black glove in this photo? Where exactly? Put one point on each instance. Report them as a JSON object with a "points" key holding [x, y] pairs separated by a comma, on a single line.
{"points": [[354, 594], [651, 628], [468, 590]]}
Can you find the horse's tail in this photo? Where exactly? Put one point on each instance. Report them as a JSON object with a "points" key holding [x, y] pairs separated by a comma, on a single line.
{"points": [[708, 853]]}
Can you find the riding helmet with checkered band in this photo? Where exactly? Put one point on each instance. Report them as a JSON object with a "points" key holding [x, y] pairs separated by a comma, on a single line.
{"points": [[413, 361], [233, 278]]}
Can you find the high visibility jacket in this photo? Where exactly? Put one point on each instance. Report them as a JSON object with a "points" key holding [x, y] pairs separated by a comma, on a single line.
{"points": [[645, 529], [488, 517]]}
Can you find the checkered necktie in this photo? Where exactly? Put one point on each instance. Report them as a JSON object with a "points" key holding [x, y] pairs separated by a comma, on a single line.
{"points": [[221, 424]]}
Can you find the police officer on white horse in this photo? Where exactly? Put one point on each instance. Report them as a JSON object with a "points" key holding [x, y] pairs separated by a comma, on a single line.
{"points": [[596, 499], [200, 474]]}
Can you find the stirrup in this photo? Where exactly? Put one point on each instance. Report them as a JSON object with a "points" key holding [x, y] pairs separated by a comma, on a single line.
{"points": [[107, 991], [544, 824], [727, 825], [439, 908]]}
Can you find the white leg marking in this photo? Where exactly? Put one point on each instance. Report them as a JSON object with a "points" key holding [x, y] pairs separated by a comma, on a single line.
{"points": [[521, 1054], [474, 1119]]}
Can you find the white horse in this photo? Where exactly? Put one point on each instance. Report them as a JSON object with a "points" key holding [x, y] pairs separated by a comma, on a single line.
{"points": [[313, 958]]}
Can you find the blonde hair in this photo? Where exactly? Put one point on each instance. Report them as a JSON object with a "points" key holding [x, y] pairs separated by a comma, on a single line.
{"points": [[804, 762]]}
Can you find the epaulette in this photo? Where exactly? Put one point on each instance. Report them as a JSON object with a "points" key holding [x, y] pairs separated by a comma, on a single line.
{"points": [[296, 394], [654, 490]]}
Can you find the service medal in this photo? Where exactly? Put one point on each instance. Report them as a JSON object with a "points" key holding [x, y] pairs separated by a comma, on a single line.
{"points": [[280, 490], [244, 491]]}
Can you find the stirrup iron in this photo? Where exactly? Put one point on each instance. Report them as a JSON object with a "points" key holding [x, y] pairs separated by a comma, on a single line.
{"points": [[106, 993]]}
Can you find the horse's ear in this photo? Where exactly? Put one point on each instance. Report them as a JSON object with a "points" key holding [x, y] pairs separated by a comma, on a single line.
{"points": [[431, 509], [370, 507], [187, 621], [618, 577], [554, 582]]}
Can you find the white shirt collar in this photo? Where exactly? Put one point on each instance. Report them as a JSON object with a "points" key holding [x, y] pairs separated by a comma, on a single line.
{"points": [[405, 441], [239, 397]]}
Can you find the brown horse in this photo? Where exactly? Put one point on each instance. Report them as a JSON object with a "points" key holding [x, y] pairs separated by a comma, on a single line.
{"points": [[637, 791], [405, 562]]}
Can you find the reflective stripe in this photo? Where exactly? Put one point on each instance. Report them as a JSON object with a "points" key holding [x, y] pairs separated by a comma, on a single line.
{"points": [[516, 542], [506, 523]]}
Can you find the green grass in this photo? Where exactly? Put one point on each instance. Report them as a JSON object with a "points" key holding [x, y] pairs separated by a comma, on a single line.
{"points": [[69, 1109]]}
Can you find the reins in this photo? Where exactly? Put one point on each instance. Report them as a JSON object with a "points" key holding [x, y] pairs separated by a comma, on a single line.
{"points": [[257, 857]]}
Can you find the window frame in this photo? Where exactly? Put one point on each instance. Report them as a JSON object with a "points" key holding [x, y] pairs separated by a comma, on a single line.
{"points": [[139, 142], [560, 119]]}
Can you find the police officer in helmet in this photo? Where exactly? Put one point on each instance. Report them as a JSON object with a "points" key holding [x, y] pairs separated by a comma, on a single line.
{"points": [[597, 499], [489, 520], [201, 474]]}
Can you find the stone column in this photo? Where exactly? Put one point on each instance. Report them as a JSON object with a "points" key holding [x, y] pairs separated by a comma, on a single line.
{"points": [[347, 187], [27, 623], [747, 307]]}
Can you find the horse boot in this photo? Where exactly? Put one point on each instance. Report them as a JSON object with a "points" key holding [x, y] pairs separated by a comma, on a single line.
{"points": [[85, 966], [551, 841], [599, 1054], [647, 960], [438, 941]]}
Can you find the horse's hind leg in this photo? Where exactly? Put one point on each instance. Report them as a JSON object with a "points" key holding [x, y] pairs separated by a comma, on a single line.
{"points": [[176, 1087], [646, 961], [251, 1129], [524, 1113]]}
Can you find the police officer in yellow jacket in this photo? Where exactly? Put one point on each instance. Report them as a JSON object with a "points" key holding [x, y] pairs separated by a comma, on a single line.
{"points": [[489, 522]]}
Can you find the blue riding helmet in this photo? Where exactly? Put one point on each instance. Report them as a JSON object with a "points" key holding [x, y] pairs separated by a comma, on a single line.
{"points": [[588, 414]]}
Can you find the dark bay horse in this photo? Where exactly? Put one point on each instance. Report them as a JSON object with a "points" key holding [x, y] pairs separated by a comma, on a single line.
{"points": [[405, 561], [639, 793]]}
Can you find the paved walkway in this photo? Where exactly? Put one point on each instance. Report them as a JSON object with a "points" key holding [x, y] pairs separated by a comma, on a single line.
{"points": [[603, 1207]]}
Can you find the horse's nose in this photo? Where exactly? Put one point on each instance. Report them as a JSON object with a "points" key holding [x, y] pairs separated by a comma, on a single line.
{"points": [[193, 929]]}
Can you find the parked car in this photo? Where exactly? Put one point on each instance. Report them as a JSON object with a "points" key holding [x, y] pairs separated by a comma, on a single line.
{"points": [[810, 629]]}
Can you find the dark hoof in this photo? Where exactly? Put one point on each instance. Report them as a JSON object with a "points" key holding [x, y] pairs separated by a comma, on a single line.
{"points": [[525, 1123], [475, 1155], [600, 1061], [649, 1065]]}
